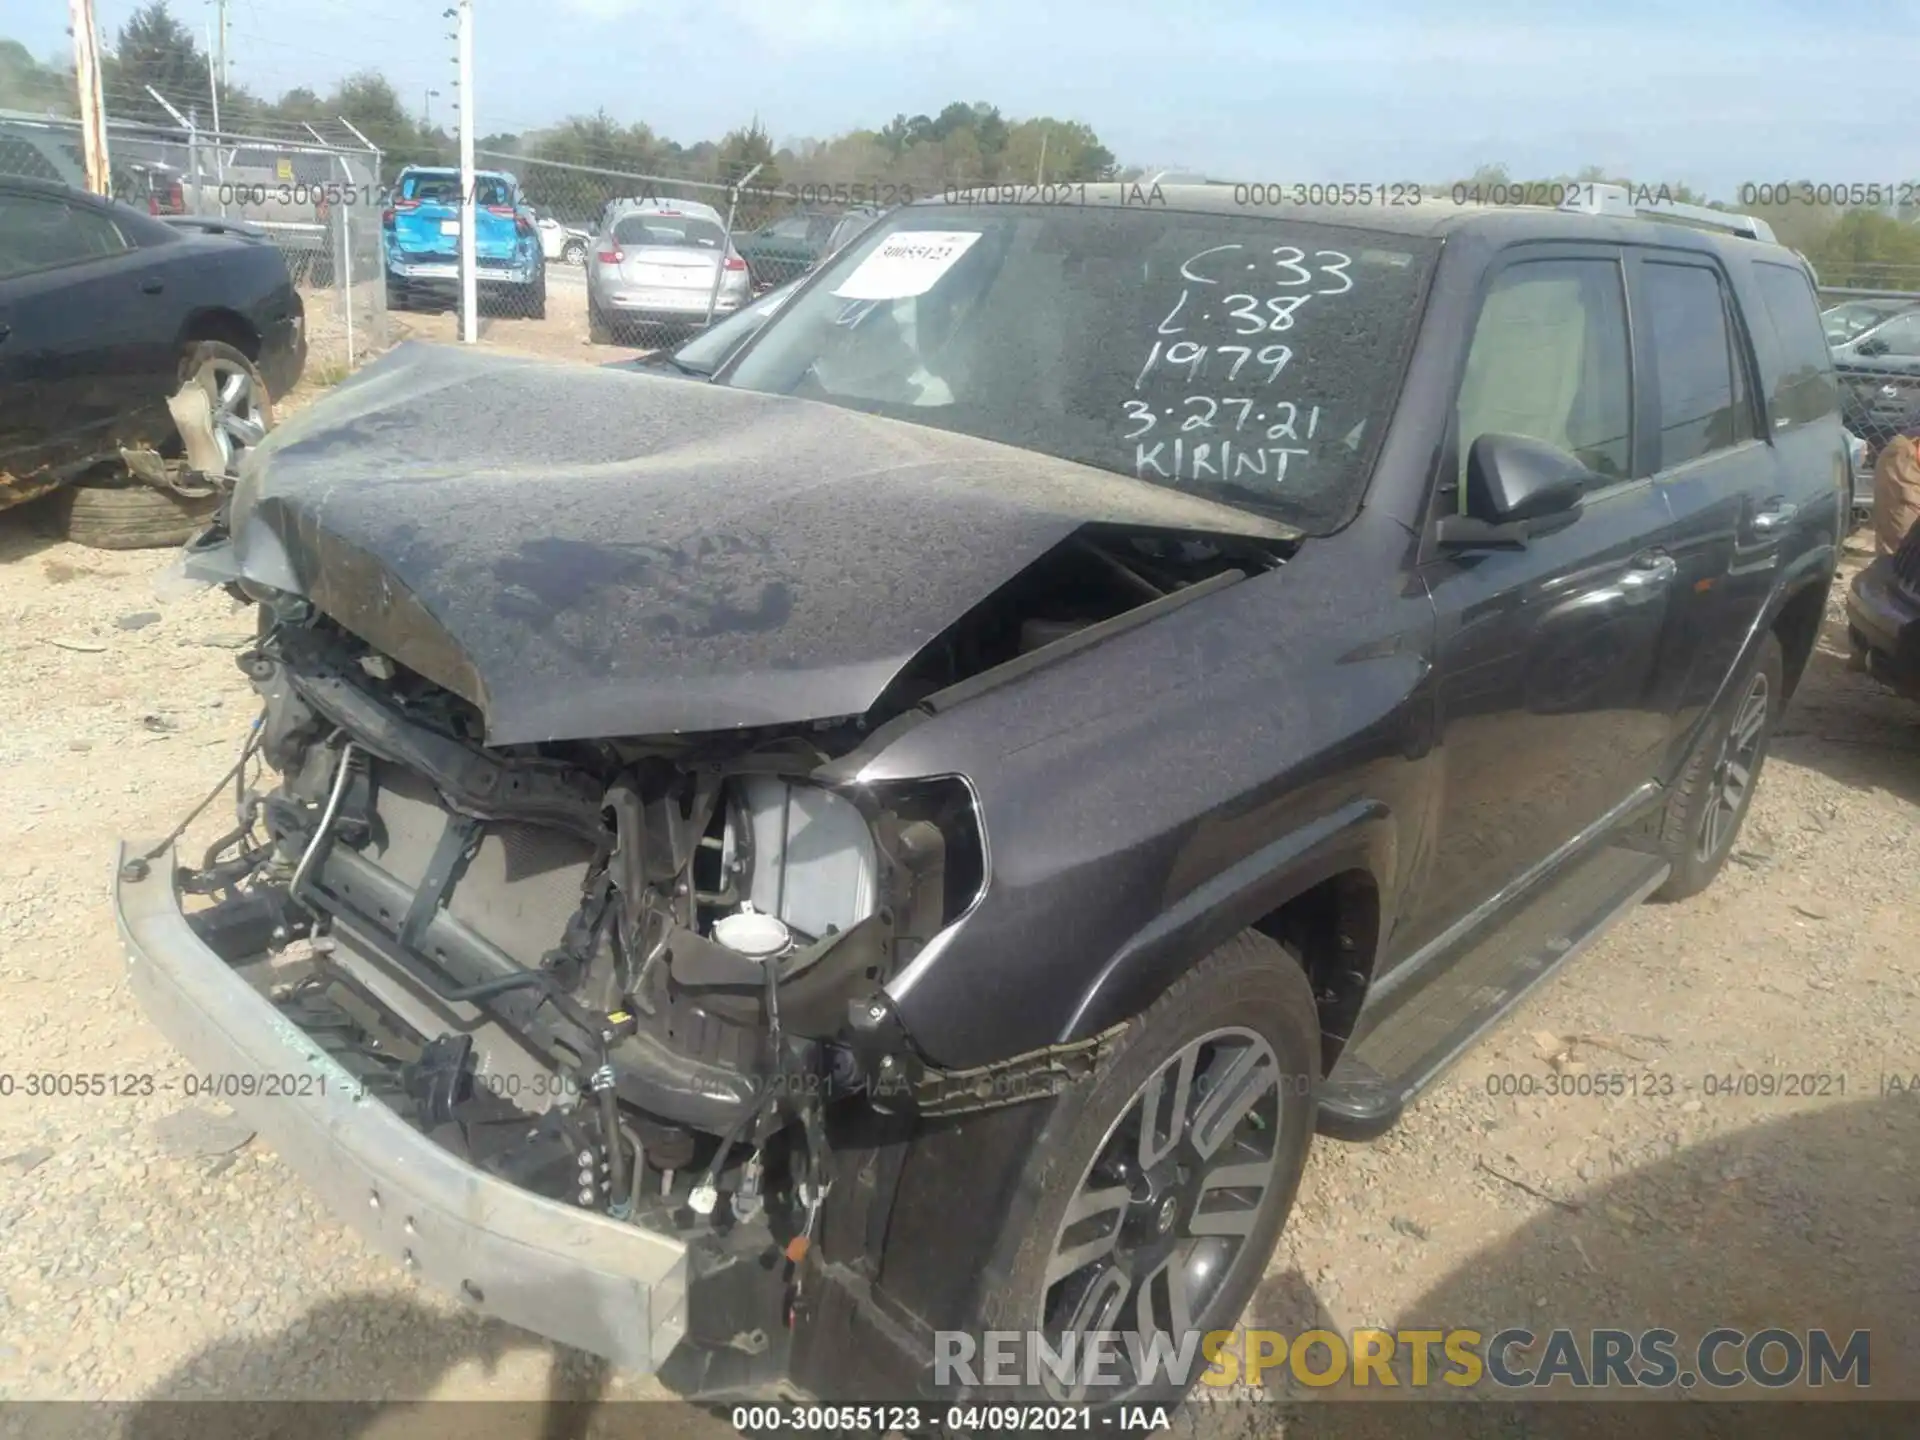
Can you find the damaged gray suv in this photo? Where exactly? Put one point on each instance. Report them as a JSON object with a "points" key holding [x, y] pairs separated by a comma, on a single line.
{"points": [[918, 834]]}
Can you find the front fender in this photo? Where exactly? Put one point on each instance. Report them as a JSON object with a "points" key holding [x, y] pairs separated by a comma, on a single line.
{"points": [[1150, 796], [1360, 835]]}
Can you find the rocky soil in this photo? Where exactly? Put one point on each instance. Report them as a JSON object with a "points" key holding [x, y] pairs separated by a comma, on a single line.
{"points": [[149, 1250]]}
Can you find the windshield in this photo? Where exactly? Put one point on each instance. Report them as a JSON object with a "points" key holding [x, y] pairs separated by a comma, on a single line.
{"points": [[708, 350], [1248, 360]]}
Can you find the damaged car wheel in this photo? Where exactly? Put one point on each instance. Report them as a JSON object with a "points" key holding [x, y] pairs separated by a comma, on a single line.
{"points": [[1156, 1193], [242, 408]]}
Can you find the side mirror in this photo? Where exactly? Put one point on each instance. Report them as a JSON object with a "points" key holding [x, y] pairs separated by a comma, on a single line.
{"points": [[1513, 484]]}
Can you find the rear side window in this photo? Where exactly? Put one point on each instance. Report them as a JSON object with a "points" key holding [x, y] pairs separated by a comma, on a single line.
{"points": [[793, 227], [40, 233], [1804, 390], [1703, 405], [1897, 337], [680, 232]]}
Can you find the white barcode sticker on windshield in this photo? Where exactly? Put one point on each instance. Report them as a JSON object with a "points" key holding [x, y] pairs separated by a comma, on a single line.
{"points": [[907, 263]]}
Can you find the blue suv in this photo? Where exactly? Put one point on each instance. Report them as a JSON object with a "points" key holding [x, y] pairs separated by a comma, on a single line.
{"points": [[420, 238]]}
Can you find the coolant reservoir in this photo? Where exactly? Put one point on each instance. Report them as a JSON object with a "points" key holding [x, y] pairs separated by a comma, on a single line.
{"points": [[750, 933]]}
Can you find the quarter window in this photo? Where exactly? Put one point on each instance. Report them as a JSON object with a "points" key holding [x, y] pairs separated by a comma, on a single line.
{"points": [[1549, 361], [1804, 390]]}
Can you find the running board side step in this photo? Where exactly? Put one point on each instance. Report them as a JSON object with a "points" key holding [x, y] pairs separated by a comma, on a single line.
{"points": [[1425, 1027]]}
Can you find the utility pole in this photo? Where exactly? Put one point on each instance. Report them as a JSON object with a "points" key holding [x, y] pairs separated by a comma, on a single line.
{"points": [[1040, 171], [213, 85], [225, 78], [469, 286], [93, 118]]}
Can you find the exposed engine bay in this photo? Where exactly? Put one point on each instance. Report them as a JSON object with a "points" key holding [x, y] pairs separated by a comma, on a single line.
{"points": [[634, 974]]}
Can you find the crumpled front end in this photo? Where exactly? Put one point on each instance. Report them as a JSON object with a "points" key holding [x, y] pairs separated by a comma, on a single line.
{"points": [[525, 1016], [565, 850]]}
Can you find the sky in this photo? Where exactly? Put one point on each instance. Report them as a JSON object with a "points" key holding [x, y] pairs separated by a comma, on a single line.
{"points": [[1716, 94]]}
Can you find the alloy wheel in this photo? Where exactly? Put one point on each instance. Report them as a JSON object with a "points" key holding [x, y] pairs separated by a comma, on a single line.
{"points": [[239, 412], [1731, 783], [1163, 1214]]}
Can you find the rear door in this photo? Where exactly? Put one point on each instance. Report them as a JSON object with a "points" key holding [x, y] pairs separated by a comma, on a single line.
{"points": [[80, 306], [1740, 496], [1547, 653], [668, 259]]}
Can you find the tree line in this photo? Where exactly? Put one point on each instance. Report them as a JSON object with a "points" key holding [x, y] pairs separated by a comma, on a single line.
{"points": [[962, 143]]}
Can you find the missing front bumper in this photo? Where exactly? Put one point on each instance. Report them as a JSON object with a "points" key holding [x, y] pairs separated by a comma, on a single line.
{"points": [[612, 1289]]}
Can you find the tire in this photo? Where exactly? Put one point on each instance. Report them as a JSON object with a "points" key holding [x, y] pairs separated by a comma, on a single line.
{"points": [[574, 252], [396, 299], [243, 415], [598, 331], [536, 305], [1738, 737], [1252, 992], [128, 517]]}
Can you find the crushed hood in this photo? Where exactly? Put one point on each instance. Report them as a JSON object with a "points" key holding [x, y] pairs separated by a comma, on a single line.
{"points": [[589, 553]]}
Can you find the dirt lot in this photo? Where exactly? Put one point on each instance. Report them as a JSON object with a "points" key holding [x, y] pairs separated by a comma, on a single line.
{"points": [[562, 335], [148, 1250]]}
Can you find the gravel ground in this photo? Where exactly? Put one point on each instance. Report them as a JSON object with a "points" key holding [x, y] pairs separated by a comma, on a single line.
{"points": [[150, 1251], [562, 335]]}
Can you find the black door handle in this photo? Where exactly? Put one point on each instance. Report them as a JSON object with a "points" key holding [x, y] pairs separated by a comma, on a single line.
{"points": [[152, 285]]}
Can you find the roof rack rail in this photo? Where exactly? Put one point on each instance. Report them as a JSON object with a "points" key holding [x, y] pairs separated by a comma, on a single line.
{"points": [[1617, 200]]}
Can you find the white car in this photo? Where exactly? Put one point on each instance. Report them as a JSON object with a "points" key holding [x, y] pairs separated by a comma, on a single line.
{"points": [[565, 243]]}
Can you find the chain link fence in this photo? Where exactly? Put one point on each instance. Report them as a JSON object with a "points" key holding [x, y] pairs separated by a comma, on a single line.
{"points": [[645, 260], [319, 203], [1873, 325]]}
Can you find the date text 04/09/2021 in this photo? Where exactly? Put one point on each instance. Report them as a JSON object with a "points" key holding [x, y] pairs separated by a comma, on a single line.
{"points": [[1667, 1085], [125, 1084], [915, 1418]]}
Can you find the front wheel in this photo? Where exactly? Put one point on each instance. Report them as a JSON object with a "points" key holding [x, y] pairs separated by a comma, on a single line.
{"points": [[574, 252], [1153, 1200], [1711, 798]]}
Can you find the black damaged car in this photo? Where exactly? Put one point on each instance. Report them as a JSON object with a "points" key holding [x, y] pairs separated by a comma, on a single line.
{"points": [[920, 833]]}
